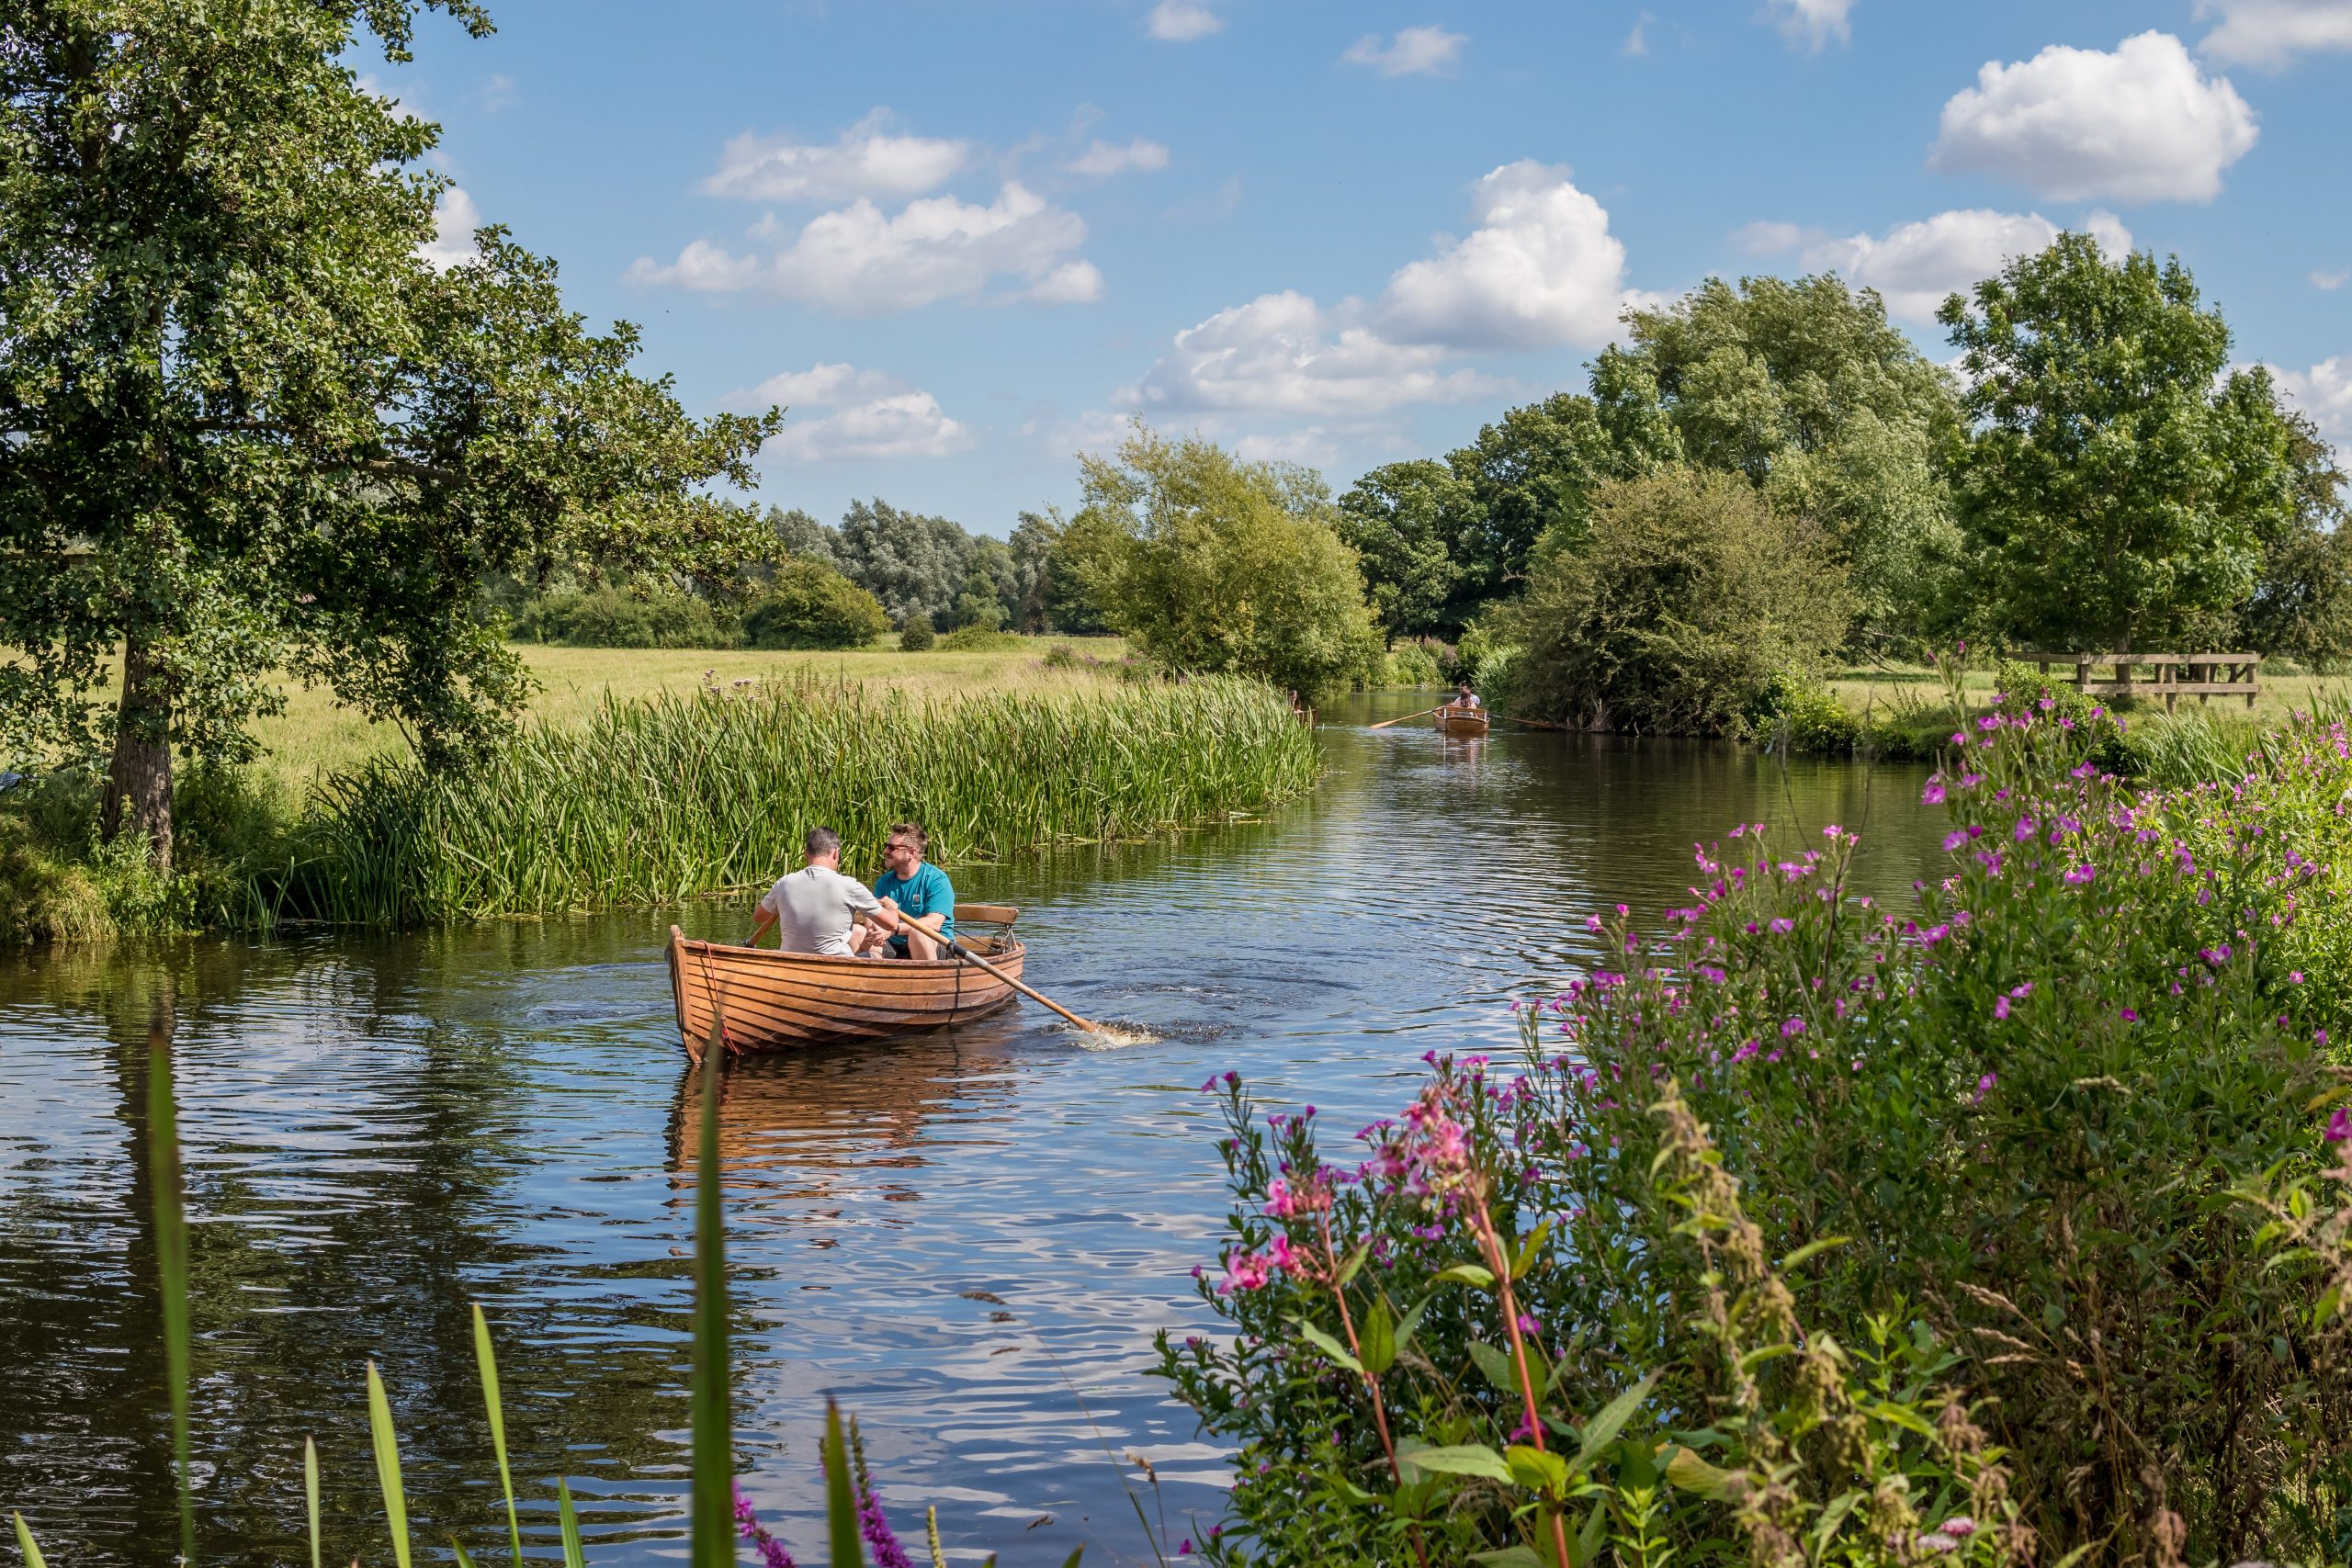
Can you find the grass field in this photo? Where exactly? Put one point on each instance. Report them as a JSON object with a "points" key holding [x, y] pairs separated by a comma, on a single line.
{"points": [[316, 736], [1896, 689]]}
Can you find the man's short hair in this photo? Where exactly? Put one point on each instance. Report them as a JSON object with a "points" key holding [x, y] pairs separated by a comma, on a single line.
{"points": [[912, 830], [823, 842]]}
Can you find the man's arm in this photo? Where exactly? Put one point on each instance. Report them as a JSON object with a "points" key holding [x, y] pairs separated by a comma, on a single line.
{"points": [[762, 923]]}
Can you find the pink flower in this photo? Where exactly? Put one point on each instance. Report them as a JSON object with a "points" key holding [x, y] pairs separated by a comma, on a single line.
{"points": [[2339, 1126], [1984, 1086], [2130, 1017], [1246, 1271], [1792, 1028], [2001, 1007]]}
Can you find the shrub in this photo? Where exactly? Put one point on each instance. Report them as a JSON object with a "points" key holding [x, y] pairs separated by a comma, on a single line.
{"points": [[1409, 664], [809, 605], [1061, 655], [978, 639], [916, 636], [1674, 614], [607, 616], [2007, 1135], [1806, 718]]}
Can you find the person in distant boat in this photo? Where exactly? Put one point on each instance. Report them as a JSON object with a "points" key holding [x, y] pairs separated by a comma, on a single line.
{"points": [[1465, 697], [918, 893], [816, 904]]}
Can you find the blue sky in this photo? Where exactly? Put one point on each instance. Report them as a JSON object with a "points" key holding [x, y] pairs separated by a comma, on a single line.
{"points": [[964, 241]]}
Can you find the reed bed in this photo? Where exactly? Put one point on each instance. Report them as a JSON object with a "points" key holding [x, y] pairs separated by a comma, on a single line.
{"points": [[663, 799]]}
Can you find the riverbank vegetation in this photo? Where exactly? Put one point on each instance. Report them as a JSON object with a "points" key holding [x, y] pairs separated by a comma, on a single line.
{"points": [[2009, 1226]]}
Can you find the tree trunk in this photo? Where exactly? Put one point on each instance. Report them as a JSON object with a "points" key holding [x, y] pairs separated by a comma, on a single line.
{"points": [[138, 785]]}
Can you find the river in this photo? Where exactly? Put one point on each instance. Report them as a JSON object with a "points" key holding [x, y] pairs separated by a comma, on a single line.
{"points": [[381, 1130]]}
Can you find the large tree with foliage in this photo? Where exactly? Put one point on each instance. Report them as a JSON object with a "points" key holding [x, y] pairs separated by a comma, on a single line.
{"points": [[1216, 564], [2116, 485], [2300, 605], [244, 428], [1531, 473], [1407, 523], [916, 565]]}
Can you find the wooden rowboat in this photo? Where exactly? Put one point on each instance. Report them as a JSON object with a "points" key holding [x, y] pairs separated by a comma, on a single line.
{"points": [[1456, 718], [780, 1001]]}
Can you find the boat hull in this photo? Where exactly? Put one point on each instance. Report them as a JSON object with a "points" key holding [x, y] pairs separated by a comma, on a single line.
{"points": [[785, 1001], [1452, 720]]}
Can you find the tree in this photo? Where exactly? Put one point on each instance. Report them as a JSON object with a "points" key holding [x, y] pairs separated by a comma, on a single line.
{"points": [[811, 606], [1879, 499], [1405, 521], [2115, 485], [1219, 564], [990, 588], [1529, 473], [245, 428], [2302, 605], [1673, 615], [915, 565], [802, 537]]}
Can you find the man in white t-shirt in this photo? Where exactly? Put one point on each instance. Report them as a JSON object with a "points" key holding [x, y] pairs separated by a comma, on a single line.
{"points": [[814, 905]]}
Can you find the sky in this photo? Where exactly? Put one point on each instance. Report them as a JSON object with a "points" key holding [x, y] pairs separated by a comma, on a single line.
{"points": [[964, 242]]}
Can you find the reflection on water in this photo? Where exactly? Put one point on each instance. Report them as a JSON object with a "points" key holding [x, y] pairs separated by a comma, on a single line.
{"points": [[381, 1130]]}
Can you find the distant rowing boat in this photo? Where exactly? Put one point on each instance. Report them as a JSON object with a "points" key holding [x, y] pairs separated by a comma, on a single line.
{"points": [[781, 1001], [1460, 719]]}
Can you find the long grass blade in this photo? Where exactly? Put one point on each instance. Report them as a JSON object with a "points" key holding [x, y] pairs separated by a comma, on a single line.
{"points": [[713, 1459], [311, 1496], [170, 1261], [457, 1550], [488, 1364], [387, 1464], [25, 1543], [575, 1555], [841, 1497]]}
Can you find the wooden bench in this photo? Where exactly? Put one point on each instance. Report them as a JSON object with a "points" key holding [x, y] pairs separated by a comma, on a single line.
{"points": [[2171, 676]]}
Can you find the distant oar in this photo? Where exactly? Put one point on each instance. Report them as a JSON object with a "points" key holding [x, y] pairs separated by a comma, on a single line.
{"points": [[955, 943], [1387, 722]]}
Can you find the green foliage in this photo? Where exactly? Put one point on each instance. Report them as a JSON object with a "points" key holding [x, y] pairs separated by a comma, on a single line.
{"points": [[611, 617], [1214, 564], [1531, 474], [1805, 718], [917, 637], [809, 605], [1407, 522], [655, 801], [977, 638], [252, 429], [915, 565], [1410, 664], [2301, 608], [1688, 597], [2115, 484]]}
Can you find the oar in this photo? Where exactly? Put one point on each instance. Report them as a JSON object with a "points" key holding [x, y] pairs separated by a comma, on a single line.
{"points": [[1387, 722], [955, 944]]}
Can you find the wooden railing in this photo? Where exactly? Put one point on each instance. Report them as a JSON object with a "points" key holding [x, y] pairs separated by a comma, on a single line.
{"points": [[2171, 676]]}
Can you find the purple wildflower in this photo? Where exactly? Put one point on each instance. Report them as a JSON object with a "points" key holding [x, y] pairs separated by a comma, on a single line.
{"points": [[747, 1524], [2339, 1126]]}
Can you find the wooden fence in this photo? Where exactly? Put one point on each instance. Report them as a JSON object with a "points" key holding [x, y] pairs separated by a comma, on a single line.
{"points": [[2171, 676]]}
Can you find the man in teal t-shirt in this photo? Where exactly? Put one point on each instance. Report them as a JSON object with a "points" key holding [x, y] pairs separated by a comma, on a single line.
{"points": [[919, 891]]}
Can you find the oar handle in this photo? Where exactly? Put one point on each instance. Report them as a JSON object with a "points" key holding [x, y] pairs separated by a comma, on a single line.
{"points": [[956, 944], [1401, 719]]}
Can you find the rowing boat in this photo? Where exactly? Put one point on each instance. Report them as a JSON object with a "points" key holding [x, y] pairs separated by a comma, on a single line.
{"points": [[1461, 718], [767, 1001]]}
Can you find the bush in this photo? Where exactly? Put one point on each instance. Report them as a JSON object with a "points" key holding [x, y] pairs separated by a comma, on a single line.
{"points": [[1061, 655], [1805, 718], [606, 617], [1686, 598], [809, 605], [978, 639], [916, 636], [1409, 664], [2004, 1145]]}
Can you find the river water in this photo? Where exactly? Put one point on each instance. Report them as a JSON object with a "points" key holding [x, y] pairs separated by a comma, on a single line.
{"points": [[380, 1131]]}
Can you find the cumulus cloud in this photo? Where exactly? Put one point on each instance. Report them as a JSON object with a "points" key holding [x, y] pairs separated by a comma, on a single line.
{"points": [[454, 218], [861, 261], [1283, 354], [2323, 279], [1182, 21], [2139, 124], [1105, 158], [1915, 265], [1542, 269], [2324, 393], [2267, 34], [872, 415], [1815, 22], [1414, 51], [866, 160]]}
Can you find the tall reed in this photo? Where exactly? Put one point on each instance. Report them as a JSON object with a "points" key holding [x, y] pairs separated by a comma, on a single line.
{"points": [[653, 800]]}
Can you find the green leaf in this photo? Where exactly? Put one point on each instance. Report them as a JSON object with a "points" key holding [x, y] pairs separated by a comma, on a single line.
{"points": [[1510, 1557], [1529, 1250], [1328, 1345], [1458, 1459], [1353, 1261], [1596, 1526], [1378, 1339], [25, 1543], [310, 1494], [1763, 1354], [1411, 1321], [1537, 1470], [1602, 1429], [457, 1549], [710, 1385], [1812, 1249], [1496, 1364], [1691, 1473], [1903, 1416], [1072, 1560], [575, 1555], [486, 1362], [840, 1499], [1831, 1518], [387, 1464], [1469, 1274]]}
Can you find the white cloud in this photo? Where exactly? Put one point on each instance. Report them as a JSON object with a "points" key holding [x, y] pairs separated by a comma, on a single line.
{"points": [[820, 385], [1182, 21], [1313, 446], [454, 218], [860, 261], [1414, 51], [1915, 265], [498, 92], [1636, 43], [1105, 158], [2330, 281], [1541, 269], [2140, 124], [874, 415], [1815, 22], [1283, 353], [2324, 393], [866, 160], [2267, 34]]}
